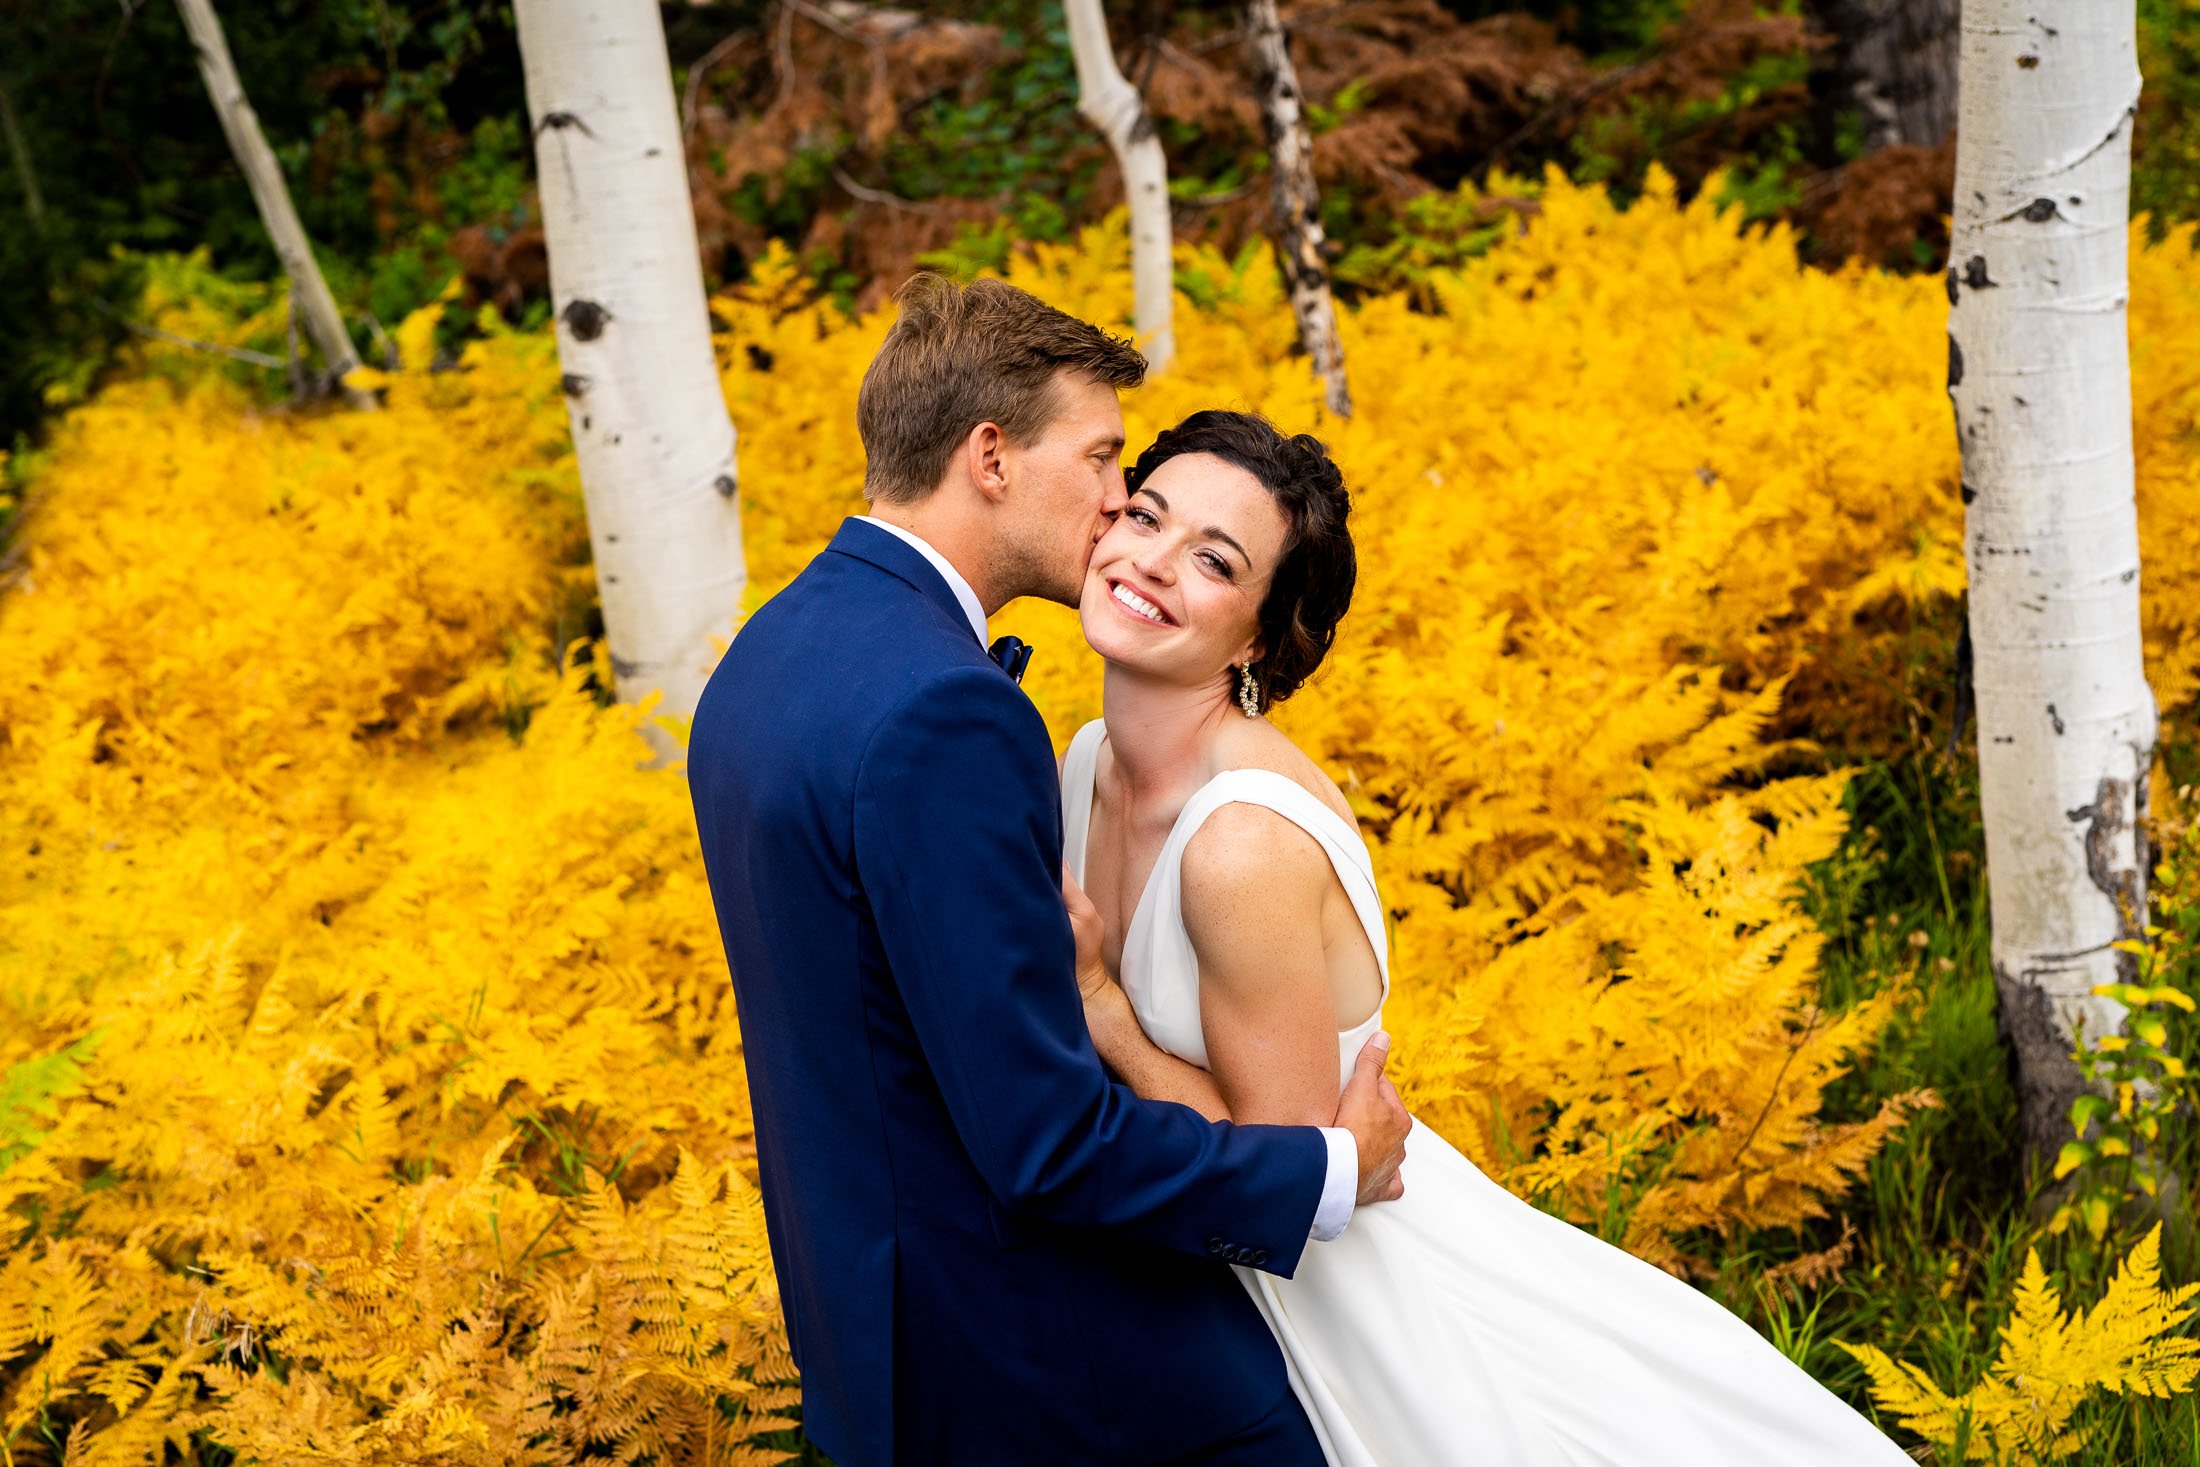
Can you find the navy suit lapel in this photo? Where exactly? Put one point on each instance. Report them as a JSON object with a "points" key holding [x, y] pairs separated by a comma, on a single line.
{"points": [[874, 546]]}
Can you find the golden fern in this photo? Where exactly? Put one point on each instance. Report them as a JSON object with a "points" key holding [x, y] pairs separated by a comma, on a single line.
{"points": [[415, 1125], [2051, 1362]]}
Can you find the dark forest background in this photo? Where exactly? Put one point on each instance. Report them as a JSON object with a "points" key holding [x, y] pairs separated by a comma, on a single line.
{"points": [[872, 138]]}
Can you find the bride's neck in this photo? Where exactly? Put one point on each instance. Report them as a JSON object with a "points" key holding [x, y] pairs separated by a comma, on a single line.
{"points": [[1161, 735]]}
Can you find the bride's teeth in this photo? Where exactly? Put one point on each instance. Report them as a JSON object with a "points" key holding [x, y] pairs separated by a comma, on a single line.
{"points": [[1137, 603]]}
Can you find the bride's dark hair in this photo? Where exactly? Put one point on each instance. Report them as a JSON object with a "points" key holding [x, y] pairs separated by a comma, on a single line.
{"points": [[1313, 582]]}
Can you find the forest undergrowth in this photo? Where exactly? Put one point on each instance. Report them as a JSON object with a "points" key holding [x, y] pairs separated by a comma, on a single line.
{"points": [[369, 1082]]}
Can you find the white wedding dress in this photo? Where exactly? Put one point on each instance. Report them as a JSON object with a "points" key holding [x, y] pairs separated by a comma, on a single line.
{"points": [[1460, 1324]]}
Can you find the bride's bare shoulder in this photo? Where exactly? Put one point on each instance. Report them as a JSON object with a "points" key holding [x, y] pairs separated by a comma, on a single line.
{"points": [[1251, 858], [1249, 870], [1259, 744]]}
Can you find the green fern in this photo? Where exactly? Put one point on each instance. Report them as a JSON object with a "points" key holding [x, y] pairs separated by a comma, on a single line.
{"points": [[32, 1091]]}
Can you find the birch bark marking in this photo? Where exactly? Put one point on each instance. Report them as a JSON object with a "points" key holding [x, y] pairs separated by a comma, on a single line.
{"points": [[1110, 103], [309, 292], [642, 390], [2039, 373], [1299, 238]]}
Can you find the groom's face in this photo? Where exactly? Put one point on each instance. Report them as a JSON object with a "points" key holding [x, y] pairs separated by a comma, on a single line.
{"points": [[1066, 486]]}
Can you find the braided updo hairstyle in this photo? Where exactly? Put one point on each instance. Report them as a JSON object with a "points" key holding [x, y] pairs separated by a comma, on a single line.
{"points": [[1312, 585]]}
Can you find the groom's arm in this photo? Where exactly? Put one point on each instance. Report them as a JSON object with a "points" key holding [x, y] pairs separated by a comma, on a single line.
{"points": [[958, 846]]}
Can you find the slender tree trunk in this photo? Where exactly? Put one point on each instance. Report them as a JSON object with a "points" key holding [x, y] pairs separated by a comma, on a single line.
{"points": [[1299, 239], [1895, 62], [310, 293], [26, 173], [648, 414], [1110, 103], [2040, 377]]}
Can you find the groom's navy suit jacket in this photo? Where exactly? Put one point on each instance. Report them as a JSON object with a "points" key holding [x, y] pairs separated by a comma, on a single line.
{"points": [[988, 1251]]}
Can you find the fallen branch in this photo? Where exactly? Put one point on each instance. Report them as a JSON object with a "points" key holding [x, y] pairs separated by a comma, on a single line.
{"points": [[235, 353]]}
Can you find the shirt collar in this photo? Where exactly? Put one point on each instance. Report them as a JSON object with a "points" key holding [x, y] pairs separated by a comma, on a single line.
{"points": [[967, 598]]}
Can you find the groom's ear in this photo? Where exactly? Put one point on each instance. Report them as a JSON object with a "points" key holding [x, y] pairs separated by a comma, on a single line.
{"points": [[983, 452]]}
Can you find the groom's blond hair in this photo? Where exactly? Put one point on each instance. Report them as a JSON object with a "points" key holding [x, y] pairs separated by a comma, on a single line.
{"points": [[961, 355]]}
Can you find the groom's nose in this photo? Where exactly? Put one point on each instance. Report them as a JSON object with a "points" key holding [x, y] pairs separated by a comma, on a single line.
{"points": [[1115, 498]]}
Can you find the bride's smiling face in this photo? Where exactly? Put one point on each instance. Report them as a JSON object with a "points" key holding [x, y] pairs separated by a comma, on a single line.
{"points": [[1175, 586]]}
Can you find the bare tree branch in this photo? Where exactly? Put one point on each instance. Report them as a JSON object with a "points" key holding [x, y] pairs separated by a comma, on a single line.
{"points": [[692, 92], [871, 195]]}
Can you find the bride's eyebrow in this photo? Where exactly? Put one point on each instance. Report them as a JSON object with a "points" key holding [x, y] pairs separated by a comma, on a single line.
{"points": [[1212, 532], [1216, 532]]}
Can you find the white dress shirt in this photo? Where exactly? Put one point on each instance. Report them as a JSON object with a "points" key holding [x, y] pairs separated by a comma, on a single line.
{"points": [[1341, 1187]]}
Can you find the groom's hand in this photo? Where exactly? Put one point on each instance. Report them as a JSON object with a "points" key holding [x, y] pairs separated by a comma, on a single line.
{"points": [[1371, 1111], [1084, 925]]}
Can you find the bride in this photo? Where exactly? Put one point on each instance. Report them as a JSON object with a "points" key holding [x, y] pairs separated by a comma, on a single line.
{"points": [[1246, 963]]}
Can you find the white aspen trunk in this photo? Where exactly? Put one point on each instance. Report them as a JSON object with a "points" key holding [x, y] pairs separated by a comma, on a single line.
{"points": [[309, 292], [1110, 103], [1299, 238], [648, 414], [2040, 377]]}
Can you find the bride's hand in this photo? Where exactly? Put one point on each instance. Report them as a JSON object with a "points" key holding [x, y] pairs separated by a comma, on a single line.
{"points": [[1085, 926]]}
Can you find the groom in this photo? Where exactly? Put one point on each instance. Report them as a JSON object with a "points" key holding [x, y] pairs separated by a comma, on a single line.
{"points": [[988, 1251]]}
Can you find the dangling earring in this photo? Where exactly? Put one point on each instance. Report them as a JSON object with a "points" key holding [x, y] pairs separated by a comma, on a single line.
{"points": [[1248, 691]]}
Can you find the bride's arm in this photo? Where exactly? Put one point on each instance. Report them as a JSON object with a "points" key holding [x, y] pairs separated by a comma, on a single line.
{"points": [[1143, 1065], [1253, 889], [1151, 1071]]}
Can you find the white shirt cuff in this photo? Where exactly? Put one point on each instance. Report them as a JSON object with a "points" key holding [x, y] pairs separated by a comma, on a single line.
{"points": [[1342, 1185]]}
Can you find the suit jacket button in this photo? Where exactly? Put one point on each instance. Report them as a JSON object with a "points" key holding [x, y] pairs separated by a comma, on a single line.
{"points": [[1216, 1247], [1259, 1257]]}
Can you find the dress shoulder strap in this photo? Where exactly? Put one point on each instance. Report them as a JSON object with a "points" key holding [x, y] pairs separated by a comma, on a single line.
{"points": [[1079, 765]]}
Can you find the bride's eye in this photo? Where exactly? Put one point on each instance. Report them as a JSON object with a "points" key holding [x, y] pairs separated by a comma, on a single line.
{"points": [[1140, 516], [1218, 565]]}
